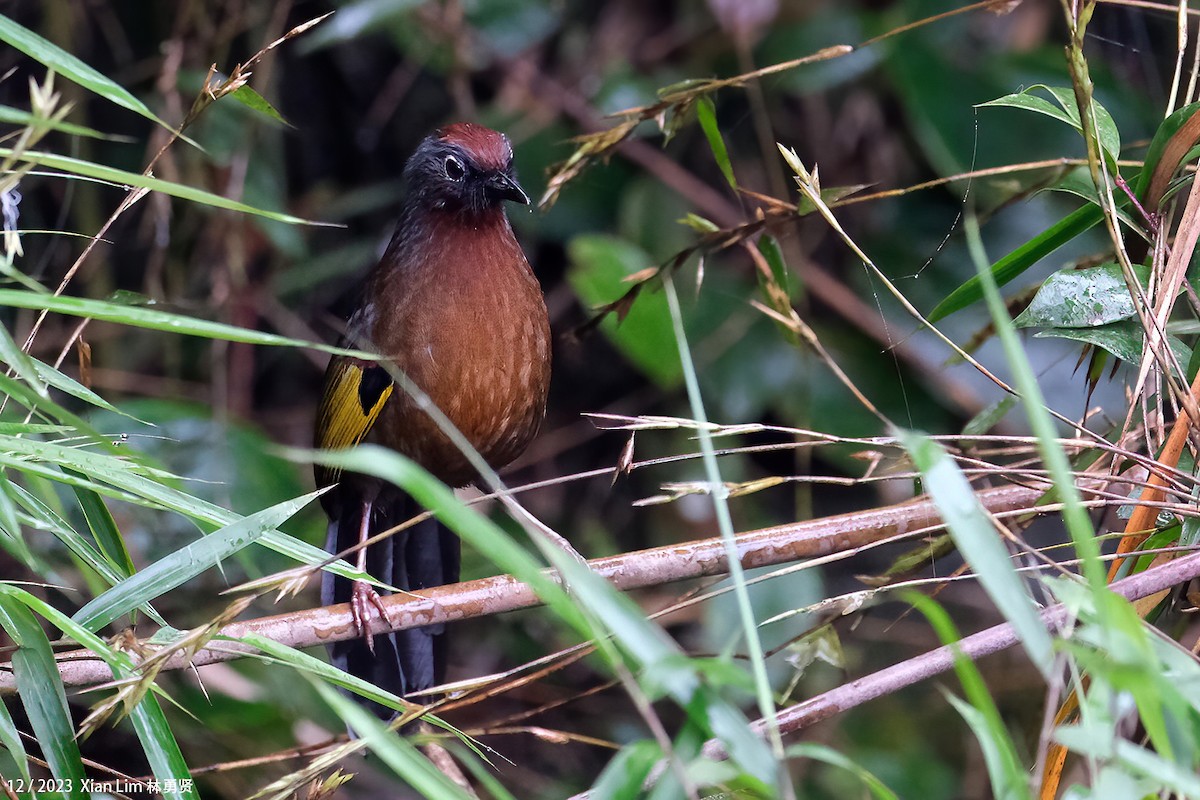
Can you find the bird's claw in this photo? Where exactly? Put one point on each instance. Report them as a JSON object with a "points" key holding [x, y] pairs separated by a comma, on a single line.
{"points": [[363, 600]]}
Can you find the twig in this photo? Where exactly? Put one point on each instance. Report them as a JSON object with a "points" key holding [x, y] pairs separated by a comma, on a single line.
{"points": [[487, 596], [935, 662]]}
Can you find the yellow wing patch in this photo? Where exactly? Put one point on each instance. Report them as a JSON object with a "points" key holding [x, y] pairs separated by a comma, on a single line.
{"points": [[355, 393]]}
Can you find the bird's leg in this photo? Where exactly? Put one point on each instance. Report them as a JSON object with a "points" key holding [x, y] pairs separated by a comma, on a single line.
{"points": [[364, 598]]}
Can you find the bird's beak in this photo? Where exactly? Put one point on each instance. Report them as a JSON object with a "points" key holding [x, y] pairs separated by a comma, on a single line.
{"points": [[505, 187]]}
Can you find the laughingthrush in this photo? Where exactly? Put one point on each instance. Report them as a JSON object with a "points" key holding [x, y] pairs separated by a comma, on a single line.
{"points": [[454, 306]]}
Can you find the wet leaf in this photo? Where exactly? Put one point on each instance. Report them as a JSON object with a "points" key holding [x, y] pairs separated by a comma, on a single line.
{"points": [[1122, 339], [1082, 298]]}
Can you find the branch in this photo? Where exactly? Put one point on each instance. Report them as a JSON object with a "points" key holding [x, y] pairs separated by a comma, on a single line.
{"points": [[487, 596], [976, 646], [854, 693]]}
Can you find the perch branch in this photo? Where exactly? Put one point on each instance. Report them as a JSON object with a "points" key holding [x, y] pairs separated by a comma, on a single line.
{"points": [[487, 596], [890, 679]]}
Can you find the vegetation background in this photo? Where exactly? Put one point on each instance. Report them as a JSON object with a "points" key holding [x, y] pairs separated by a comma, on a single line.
{"points": [[358, 91]]}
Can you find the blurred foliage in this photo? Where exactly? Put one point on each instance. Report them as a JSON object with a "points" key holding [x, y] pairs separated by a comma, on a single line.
{"points": [[333, 115]]}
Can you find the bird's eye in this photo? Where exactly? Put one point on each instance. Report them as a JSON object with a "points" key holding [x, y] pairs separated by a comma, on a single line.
{"points": [[454, 169]]}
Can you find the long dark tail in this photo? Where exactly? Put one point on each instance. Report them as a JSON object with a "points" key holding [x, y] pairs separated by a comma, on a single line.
{"points": [[427, 554]]}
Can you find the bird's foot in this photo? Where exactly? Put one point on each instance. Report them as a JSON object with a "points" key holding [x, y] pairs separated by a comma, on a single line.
{"points": [[363, 601]]}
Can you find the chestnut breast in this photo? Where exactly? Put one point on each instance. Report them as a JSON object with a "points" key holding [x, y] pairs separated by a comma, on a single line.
{"points": [[468, 325]]}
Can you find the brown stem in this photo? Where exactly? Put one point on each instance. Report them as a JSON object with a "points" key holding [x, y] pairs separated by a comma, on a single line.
{"points": [[976, 646], [487, 596], [935, 662]]}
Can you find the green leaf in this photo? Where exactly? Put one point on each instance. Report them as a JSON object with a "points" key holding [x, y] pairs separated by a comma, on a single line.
{"points": [[120, 177], [142, 317], [1004, 768], [392, 749], [283, 654], [977, 540], [1123, 339], [24, 393], [1021, 259], [623, 777], [768, 245], [154, 733], [1049, 446], [41, 690], [594, 602], [687, 86], [23, 364], [1168, 772], [68, 385], [71, 68], [1158, 143], [1078, 182], [476, 530], [986, 419], [706, 113], [297, 659], [1082, 298], [116, 477], [31, 391], [40, 516], [104, 529], [827, 755], [10, 740], [246, 95], [1069, 227], [699, 224], [17, 116], [183, 565], [13, 539], [750, 753], [1008, 777], [1066, 110], [162, 749], [32, 429], [643, 332]]}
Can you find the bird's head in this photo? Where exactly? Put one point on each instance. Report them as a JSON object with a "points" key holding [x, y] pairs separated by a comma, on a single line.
{"points": [[463, 167]]}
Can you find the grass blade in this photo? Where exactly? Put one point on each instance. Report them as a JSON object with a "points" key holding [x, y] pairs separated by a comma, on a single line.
{"points": [[1074, 514], [158, 742], [185, 564], [706, 113], [980, 545], [1008, 776], [143, 317], [10, 740], [121, 177], [405, 759], [42, 694], [1021, 259], [71, 68]]}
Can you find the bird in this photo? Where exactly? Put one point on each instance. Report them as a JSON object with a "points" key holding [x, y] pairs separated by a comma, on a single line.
{"points": [[454, 305]]}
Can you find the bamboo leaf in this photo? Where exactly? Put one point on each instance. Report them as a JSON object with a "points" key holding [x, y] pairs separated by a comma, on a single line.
{"points": [[42, 694], [183, 565], [121, 177], [143, 317], [1020, 259], [979, 543], [706, 113], [71, 68]]}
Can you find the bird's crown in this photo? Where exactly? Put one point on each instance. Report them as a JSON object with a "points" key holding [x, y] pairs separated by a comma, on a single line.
{"points": [[489, 149]]}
